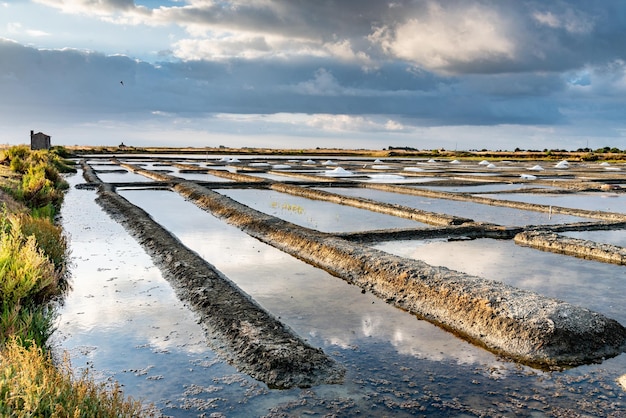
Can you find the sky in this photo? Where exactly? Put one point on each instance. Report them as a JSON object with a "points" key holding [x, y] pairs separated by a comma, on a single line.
{"points": [[371, 74]]}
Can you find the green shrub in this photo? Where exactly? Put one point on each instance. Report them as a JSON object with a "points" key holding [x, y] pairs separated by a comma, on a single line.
{"points": [[45, 212], [33, 324], [49, 238], [38, 189], [590, 157], [26, 274], [18, 165], [61, 152], [18, 151], [28, 280], [42, 183]]}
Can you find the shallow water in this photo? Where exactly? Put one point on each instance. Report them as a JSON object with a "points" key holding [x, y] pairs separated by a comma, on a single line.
{"points": [[292, 289], [475, 211], [391, 179], [278, 177], [123, 320], [126, 177], [607, 237], [199, 177], [550, 274], [485, 188], [316, 214], [604, 201]]}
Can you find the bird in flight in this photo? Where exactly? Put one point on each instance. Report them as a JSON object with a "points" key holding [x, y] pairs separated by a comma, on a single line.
{"points": [[122, 83]]}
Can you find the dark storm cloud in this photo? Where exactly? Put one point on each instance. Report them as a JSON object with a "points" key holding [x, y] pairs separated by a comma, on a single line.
{"points": [[451, 37], [88, 84], [316, 19], [423, 63], [454, 36]]}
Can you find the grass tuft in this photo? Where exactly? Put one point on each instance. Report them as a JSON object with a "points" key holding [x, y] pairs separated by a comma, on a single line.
{"points": [[28, 281], [32, 385]]}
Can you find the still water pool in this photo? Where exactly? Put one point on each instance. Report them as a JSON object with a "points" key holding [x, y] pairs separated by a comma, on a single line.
{"points": [[476, 211], [607, 237], [609, 202], [316, 214], [123, 321]]}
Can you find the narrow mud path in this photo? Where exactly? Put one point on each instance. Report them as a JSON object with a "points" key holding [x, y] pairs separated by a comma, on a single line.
{"points": [[241, 331], [594, 214], [550, 241]]}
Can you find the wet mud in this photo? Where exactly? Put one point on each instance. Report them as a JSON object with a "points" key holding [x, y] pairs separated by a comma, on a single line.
{"points": [[550, 241]]}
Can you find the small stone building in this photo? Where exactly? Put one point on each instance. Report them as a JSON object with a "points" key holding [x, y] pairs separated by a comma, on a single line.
{"points": [[39, 140]]}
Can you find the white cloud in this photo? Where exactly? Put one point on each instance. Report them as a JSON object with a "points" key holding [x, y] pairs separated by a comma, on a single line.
{"points": [[324, 84], [318, 122], [547, 19], [241, 46], [344, 51], [571, 20], [226, 45], [108, 10], [446, 36], [17, 28], [350, 123], [392, 125], [37, 33], [522, 63]]}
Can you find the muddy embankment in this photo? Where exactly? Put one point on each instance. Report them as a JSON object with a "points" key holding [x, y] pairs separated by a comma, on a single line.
{"points": [[518, 324], [593, 214], [550, 241], [238, 328], [387, 208]]}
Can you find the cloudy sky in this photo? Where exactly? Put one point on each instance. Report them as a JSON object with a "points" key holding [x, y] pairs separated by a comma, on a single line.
{"points": [[453, 74]]}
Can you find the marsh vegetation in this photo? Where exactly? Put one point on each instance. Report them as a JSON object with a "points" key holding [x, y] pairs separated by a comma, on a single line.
{"points": [[33, 280]]}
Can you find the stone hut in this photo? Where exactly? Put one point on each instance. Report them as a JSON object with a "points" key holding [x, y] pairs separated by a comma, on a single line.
{"points": [[39, 140]]}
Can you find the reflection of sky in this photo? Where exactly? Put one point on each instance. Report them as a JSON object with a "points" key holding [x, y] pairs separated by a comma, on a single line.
{"points": [[115, 285], [136, 331], [495, 187], [607, 237], [475, 211], [594, 285], [278, 177], [310, 300], [393, 179], [127, 177], [199, 177], [107, 167], [608, 202], [316, 214]]}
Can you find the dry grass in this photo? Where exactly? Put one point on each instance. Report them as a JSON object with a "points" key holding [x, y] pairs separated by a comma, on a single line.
{"points": [[32, 386]]}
